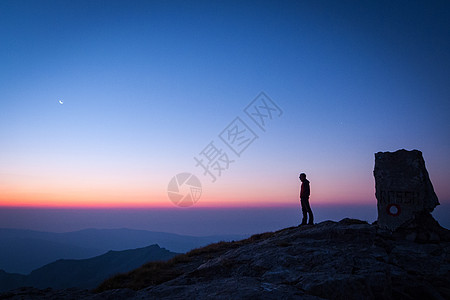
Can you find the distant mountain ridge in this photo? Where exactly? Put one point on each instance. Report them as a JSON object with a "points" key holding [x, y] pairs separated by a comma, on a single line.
{"points": [[84, 273], [349, 259], [22, 251]]}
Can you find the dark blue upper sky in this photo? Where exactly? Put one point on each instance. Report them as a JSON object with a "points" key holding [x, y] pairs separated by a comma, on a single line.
{"points": [[146, 85]]}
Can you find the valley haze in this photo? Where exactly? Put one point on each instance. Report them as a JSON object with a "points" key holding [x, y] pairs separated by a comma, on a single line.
{"points": [[22, 251], [192, 221]]}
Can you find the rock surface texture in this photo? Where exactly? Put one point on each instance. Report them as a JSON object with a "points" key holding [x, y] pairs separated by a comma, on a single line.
{"points": [[350, 259], [403, 188]]}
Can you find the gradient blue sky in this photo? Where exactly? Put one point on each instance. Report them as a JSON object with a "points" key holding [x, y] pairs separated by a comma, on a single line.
{"points": [[147, 85]]}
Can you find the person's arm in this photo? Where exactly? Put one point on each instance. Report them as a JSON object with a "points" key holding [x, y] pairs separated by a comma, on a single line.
{"points": [[307, 190]]}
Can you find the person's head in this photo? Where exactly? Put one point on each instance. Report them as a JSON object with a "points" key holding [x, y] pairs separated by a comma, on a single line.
{"points": [[302, 176]]}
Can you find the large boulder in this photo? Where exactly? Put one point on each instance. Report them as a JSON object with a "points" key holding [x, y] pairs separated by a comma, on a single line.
{"points": [[403, 188]]}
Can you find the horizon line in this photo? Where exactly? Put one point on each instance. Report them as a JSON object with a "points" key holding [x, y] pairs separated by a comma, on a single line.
{"points": [[198, 206]]}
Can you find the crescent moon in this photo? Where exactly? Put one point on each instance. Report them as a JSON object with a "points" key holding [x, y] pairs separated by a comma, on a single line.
{"points": [[60, 102]]}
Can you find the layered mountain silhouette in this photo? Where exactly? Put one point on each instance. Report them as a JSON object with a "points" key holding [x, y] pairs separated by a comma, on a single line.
{"points": [[84, 273], [350, 259], [22, 251]]}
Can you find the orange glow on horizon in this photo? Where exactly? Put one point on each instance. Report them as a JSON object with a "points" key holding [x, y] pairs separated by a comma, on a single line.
{"points": [[35, 194], [44, 201]]}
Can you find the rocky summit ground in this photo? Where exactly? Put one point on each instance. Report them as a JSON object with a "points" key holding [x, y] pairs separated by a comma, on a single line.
{"points": [[350, 259]]}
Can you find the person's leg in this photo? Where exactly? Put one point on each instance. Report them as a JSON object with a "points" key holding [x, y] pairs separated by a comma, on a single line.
{"points": [[305, 204], [311, 217], [304, 211], [308, 209]]}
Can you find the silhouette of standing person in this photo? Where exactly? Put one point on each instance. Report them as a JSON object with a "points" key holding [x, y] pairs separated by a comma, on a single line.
{"points": [[304, 200]]}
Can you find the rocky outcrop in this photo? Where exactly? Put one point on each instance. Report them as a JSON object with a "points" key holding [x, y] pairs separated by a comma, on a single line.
{"points": [[403, 188], [350, 259]]}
